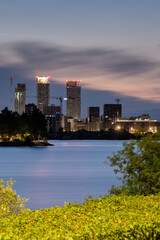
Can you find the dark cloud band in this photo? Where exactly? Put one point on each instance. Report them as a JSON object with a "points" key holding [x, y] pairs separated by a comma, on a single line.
{"points": [[89, 62]]}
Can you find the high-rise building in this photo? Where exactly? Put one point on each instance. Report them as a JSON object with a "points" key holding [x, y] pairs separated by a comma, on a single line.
{"points": [[43, 92], [20, 98], [93, 112], [112, 113], [53, 117], [73, 89], [93, 119]]}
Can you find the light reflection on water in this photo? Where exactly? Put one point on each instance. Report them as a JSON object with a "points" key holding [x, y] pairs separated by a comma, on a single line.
{"points": [[68, 171]]}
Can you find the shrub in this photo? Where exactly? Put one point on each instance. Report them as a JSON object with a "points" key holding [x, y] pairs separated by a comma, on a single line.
{"points": [[10, 202], [116, 217], [139, 165]]}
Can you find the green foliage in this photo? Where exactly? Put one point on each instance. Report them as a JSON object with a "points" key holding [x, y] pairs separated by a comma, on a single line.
{"points": [[10, 202], [117, 217], [139, 165], [156, 135]]}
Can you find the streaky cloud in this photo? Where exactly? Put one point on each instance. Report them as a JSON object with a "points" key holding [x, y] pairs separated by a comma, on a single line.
{"points": [[89, 62]]}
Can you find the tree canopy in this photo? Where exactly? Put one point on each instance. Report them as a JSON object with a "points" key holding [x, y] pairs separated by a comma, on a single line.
{"points": [[139, 167], [22, 127]]}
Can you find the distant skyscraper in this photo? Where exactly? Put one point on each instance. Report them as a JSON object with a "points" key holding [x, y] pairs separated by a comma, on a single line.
{"points": [[73, 89], [43, 92], [53, 117], [93, 112], [112, 113], [93, 119], [20, 98]]}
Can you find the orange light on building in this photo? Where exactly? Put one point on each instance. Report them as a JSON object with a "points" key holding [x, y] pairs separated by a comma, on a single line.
{"points": [[118, 128], [44, 79], [49, 76], [75, 82]]}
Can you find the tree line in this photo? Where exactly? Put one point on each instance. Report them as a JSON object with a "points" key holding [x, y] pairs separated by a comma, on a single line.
{"points": [[22, 127]]}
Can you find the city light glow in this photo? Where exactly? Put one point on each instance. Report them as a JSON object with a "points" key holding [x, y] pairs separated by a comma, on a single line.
{"points": [[44, 79]]}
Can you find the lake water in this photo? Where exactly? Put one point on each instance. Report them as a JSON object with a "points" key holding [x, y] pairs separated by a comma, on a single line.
{"points": [[66, 172]]}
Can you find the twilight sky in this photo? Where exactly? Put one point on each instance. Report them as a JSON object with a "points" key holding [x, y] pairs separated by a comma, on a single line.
{"points": [[112, 46]]}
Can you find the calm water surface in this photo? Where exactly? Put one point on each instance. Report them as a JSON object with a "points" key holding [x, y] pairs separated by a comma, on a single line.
{"points": [[68, 171]]}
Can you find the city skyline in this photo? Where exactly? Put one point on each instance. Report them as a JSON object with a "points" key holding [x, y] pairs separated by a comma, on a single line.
{"points": [[113, 47]]}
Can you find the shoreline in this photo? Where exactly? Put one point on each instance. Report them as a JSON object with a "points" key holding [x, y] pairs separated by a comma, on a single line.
{"points": [[111, 134], [25, 144]]}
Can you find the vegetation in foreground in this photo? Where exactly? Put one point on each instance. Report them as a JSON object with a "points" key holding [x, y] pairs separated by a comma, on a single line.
{"points": [[116, 217]]}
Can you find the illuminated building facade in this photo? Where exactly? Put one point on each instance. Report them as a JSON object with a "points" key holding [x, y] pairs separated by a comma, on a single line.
{"points": [[43, 92], [20, 98], [137, 125], [73, 90]]}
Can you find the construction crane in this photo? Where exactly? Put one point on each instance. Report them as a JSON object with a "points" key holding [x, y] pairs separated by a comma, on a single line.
{"points": [[11, 79], [60, 100], [31, 96]]}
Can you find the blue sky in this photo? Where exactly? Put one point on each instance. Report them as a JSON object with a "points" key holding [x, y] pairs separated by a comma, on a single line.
{"points": [[112, 46]]}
